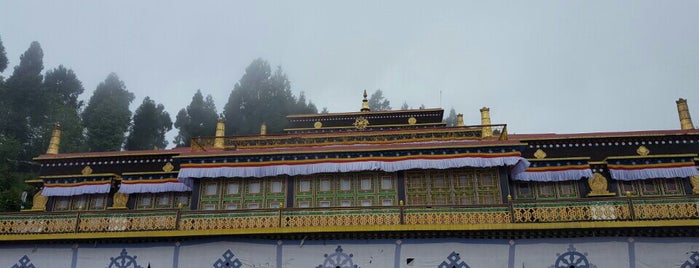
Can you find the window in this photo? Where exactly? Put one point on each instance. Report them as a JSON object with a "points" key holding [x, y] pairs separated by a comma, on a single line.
{"points": [[80, 202], [304, 204], [366, 184], [463, 186], [231, 206], [546, 190], [652, 187], [345, 203], [345, 184], [366, 203], [386, 183], [254, 187], [209, 206], [97, 202], [324, 185], [182, 200], [274, 204], [387, 202], [164, 200], [62, 203], [276, 187], [232, 188], [253, 205], [211, 189], [324, 204], [305, 186], [146, 201]]}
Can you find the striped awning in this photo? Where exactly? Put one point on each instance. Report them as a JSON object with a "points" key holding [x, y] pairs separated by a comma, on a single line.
{"points": [[556, 169], [627, 168], [274, 165], [155, 182], [77, 184]]}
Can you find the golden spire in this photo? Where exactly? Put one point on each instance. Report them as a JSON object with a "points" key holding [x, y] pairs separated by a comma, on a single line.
{"points": [[55, 142], [683, 111], [485, 121], [460, 120], [263, 129], [220, 133], [365, 103]]}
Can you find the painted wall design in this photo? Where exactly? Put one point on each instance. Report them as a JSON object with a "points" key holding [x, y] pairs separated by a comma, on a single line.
{"points": [[24, 262], [38, 255], [368, 253]]}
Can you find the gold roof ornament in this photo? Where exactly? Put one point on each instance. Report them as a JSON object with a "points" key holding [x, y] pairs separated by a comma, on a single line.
{"points": [[220, 133], [412, 120], [683, 111], [87, 170], [263, 129], [365, 103], [460, 120], [317, 124], [486, 130], [55, 142], [540, 154], [361, 123], [168, 167], [642, 150]]}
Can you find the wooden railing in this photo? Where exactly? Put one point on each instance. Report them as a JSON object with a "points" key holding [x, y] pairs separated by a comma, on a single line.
{"points": [[516, 212]]}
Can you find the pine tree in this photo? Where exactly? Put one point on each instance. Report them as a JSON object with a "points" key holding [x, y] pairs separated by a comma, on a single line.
{"points": [[263, 96], [377, 102], [3, 58], [62, 88], [451, 119], [150, 123], [198, 119], [107, 116]]}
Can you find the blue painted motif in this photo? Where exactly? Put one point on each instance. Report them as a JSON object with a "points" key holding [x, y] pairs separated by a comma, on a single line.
{"points": [[228, 261], [338, 260], [572, 259], [693, 261], [24, 262], [453, 261], [123, 261]]}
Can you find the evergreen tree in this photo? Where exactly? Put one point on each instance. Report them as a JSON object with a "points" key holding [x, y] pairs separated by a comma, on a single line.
{"points": [[107, 116], [405, 106], [21, 101], [150, 123], [62, 89], [262, 96], [451, 119], [3, 58], [198, 119], [377, 102]]}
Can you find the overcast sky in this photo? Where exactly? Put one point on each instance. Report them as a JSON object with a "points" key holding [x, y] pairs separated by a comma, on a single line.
{"points": [[541, 66]]}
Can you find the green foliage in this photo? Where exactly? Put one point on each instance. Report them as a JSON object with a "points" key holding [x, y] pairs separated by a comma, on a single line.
{"points": [[451, 119], [198, 119], [262, 97], [150, 123], [3, 57], [12, 174], [107, 116], [377, 102], [21, 99], [404, 106], [62, 89]]}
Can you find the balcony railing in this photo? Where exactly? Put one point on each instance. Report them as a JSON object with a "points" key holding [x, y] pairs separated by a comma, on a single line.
{"points": [[496, 217]]}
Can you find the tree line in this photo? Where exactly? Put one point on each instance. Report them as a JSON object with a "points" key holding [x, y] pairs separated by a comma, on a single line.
{"points": [[32, 102]]}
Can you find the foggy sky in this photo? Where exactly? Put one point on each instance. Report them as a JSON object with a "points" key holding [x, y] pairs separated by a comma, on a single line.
{"points": [[541, 66]]}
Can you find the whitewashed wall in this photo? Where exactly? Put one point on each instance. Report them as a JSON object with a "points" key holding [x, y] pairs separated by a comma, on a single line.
{"points": [[599, 253], [651, 253], [474, 253], [381, 253], [157, 255], [39, 255], [249, 254]]}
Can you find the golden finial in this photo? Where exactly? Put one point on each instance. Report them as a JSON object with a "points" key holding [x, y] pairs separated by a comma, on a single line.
{"points": [[460, 120], [486, 130], [683, 111], [263, 129], [55, 142], [220, 132], [365, 103]]}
